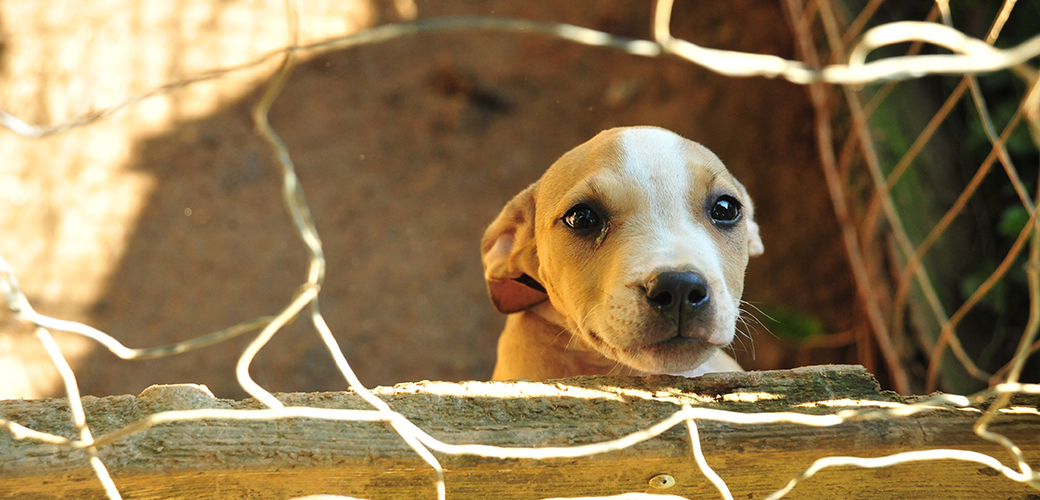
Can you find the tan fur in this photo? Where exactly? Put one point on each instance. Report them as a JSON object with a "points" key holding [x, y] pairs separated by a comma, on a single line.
{"points": [[654, 190]]}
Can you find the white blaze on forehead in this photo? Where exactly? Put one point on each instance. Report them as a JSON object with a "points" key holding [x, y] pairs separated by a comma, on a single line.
{"points": [[655, 164], [654, 159], [670, 234], [659, 151]]}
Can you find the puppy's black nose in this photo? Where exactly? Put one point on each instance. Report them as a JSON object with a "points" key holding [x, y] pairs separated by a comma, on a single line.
{"points": [[678, 293]]}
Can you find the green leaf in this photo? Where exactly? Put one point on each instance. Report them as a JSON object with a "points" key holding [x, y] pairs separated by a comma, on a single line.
{"points": [[791, 324], [1012, 220]]}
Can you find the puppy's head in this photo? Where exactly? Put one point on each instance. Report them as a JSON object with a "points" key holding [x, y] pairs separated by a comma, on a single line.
{"points": [[639, 238]]}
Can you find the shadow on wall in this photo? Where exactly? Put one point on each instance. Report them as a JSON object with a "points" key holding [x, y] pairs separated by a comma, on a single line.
{"points": [[406, 151]]}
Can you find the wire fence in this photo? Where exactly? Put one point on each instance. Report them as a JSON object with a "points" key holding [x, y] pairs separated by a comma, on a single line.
{"points": [[832, 66], [886, 309]]}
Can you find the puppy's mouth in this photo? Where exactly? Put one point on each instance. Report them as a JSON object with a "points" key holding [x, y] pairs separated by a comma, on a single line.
{"points": [[670, 355], [677, 342]]}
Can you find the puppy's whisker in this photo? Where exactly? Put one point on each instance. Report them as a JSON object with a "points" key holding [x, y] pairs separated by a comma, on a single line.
{"points": [[758, 322], [592, 310], [618, 367], [588, 314], [740, 334], [748, 328], [740, 339], [733, 350], [557, 337], [759, 310], [570, 340], [743, 317], [584, 319], [747, 334], [745, 314]]}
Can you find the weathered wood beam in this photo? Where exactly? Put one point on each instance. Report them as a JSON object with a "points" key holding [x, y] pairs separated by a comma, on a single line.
{"points": [[218, 459]]}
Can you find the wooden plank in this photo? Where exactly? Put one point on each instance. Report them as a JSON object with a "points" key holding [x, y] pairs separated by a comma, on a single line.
{"points": [[281, 459]]}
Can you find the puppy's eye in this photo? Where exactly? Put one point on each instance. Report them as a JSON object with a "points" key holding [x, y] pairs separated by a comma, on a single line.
{"points": [[582, 217], [725, 210]]}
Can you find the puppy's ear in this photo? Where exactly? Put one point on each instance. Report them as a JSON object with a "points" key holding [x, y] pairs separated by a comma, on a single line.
{"points": [[509, 256], [754, 244]]}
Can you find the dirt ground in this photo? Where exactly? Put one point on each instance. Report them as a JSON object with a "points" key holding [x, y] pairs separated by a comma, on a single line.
{"points": [[407, 150]]}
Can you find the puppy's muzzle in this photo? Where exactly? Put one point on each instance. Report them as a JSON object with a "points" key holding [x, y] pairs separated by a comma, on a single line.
{"points": [[678, 296]]}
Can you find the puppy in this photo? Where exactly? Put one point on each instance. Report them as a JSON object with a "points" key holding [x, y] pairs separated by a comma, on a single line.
{"points": [[626, 257]]}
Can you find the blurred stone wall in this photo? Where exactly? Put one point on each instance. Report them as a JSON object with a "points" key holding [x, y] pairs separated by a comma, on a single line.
{"points": [[165, 221], [70, 202]]}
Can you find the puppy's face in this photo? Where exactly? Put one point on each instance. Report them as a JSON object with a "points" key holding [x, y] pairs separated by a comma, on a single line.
{"points": [[640, 239]]}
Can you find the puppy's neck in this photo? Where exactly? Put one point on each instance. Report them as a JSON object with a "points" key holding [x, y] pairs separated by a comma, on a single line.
{"points": [[548, 313], [538, 344]]}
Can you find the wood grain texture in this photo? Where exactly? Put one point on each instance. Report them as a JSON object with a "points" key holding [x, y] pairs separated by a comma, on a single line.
{"points": [[281, 459]]}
